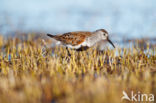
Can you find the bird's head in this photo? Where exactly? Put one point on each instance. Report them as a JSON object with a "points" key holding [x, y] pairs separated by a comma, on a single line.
{"points": [[104, 35]]}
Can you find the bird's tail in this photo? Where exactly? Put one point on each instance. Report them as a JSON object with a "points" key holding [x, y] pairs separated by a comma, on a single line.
{"points": [[50, 35]]}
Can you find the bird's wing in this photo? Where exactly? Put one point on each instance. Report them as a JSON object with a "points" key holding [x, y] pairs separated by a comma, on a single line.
{"points": [[73, 38]]}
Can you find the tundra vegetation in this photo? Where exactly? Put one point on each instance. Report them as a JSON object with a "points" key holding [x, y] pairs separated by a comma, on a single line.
{"points": [[31, 72]]}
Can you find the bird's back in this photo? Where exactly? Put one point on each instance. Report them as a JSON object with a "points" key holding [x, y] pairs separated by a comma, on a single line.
{"points": [[72, 38]]}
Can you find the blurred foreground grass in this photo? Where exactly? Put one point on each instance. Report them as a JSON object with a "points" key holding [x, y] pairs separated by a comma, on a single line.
{"points": [[30, 73]]}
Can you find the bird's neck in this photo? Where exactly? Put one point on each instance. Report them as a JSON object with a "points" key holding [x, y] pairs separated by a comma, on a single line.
{"points": [[94, 39]]}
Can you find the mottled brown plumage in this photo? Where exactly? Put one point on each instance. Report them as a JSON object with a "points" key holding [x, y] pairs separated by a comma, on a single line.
{"points": [[72, 38]]}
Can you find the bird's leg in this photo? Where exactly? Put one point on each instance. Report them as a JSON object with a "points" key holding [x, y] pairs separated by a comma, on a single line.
{"points": [[68, 52]]}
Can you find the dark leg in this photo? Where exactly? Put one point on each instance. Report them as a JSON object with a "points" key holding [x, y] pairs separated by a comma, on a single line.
{"points": [[68, 52], [82, 48]]}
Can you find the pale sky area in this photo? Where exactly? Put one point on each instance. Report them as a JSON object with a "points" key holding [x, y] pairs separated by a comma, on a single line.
{"points": [[126, 18]]}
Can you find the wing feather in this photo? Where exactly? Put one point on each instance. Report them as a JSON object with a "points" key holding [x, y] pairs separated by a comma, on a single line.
{"points": [[73, 38]]}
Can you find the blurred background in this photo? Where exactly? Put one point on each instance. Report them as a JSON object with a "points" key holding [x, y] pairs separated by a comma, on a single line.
{"points": [[121, 18]]}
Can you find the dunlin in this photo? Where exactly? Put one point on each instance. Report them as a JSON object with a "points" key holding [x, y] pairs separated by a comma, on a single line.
{"points": [[82, 40]]}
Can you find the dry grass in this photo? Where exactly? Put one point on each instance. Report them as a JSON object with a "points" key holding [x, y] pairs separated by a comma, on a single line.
{"points": [[29, 74]]}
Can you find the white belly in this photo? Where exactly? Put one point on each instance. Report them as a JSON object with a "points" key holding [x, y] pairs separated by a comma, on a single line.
{"points": [[77, 46], [89, 42]]}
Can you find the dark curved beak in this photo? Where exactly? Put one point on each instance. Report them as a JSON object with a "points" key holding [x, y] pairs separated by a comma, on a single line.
{"points": [[110, 42]]}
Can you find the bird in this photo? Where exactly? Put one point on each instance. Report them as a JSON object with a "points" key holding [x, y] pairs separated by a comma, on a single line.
{"points": [[81, 40]]}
